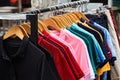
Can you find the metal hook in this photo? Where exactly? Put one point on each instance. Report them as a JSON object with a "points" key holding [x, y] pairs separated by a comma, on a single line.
{"points": [[35, 12], [86, 4], [65, 6], [77, 3], [38, 11], [56, 9], [52, 9], [79, 7], [71, 5], [83, 6]]}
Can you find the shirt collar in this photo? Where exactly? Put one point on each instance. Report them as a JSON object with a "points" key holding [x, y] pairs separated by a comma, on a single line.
{"points": [[20, 52]]}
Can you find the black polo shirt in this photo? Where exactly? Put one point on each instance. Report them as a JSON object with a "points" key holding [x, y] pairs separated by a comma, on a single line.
{"points": [[22, 60], [50, 62]]}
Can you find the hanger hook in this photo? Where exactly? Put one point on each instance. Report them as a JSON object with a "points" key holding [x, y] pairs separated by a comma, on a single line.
{"points": [[63, 8], [71, 5], [38, 11], [76, 6], [86, 4], [79, 7], [35, 12], [82, 5], [50, 8]]}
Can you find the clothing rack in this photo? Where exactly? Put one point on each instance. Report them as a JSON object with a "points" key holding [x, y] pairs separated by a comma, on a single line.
{"points": [[56, 7], [33, 19], [33, 22], [32, 16]]}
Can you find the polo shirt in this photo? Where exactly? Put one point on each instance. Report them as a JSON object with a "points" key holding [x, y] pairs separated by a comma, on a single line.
{"points": [[66, 49], [61, 64], [102, 69], [105, 68], [100, 52], [78, 46], [97, 47], [22, 60], [96, 36], [93, 30], [91, 75], [50, 62], [104, 76], [107, 38], [99, 30], [106, 48], [91, 25], [88, 44]]}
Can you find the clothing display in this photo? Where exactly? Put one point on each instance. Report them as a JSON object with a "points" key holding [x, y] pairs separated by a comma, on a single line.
{"points": [[68, 46]]}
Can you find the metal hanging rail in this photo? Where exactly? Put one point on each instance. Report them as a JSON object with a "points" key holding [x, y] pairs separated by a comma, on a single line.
{"points": [[33, 18], [56, 7]]}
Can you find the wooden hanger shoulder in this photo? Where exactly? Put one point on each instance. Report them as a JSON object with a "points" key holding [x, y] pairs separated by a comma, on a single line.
{"points": [[51, 24], [41, 27], [14, 31]]}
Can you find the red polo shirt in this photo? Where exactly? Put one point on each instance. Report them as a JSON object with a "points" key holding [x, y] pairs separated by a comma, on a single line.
{"points": [[61, 64], [78, 73]]}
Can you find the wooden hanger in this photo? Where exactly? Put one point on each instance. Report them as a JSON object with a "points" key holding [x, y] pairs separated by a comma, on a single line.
{"points": [[58, 21], [15, 31], [81, 15], [64, 23], [84, 17], [74, 16], [64, 20], [26, 28], [77, 14], [51, 24], [71, 17], [67, 18], [42, 26]]}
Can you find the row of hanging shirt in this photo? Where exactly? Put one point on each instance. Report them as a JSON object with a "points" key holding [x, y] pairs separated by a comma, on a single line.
{"points": [[70, 46], [101, 41]]}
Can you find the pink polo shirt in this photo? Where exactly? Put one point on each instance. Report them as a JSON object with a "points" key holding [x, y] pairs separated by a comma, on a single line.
{"points": [[91, 75], [79, 49], [78, 73]]}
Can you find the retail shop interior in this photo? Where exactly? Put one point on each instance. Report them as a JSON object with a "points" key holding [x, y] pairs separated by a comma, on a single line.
{"points": [[59, 40]]}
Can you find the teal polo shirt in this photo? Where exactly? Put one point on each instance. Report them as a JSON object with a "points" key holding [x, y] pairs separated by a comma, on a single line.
{"points": [[90, 51]]}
